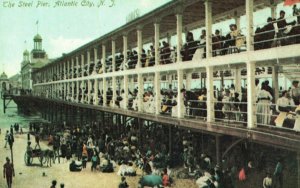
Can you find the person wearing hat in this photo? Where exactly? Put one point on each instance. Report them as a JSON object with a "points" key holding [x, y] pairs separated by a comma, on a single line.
{"points": [[29, 151], [282, 25], [295, 92], [8, 172]]}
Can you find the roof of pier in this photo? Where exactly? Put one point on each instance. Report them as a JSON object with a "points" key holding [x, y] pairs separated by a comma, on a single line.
{"points": [[193, 12]]}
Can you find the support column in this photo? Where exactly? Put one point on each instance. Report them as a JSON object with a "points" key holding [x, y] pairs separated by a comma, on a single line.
{"points": [[125, 91], [273, 11], [96, 88], [66, 93], [88, 62], [139, 46], [125, 48], [237, 80], [72, 90], [237, 21], [113, 54], [103, 58], [275, 82], [65, 71], [68, 69], [77, 67], [95, 60], [157, 93], [188, 81], [104, 91], [89, 90], [208, 27], [251, 113], [140, 92], [156, 43], [179, 36], [210, 94], [180, 102], [114, 88], [82, 65], [249, 20], [218, 152], [72, 67], [168, 39]]}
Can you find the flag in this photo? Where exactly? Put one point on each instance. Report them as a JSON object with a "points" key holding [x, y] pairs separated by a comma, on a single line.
{"points": [[37, 22], [291, 2]]}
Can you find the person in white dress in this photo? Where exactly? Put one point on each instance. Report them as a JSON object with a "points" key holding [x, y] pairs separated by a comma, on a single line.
{"points": [[226, 105], [283, 106], [263, 106]]}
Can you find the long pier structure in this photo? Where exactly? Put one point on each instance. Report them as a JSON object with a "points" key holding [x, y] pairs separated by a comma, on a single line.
{"points": [[103, 76]]}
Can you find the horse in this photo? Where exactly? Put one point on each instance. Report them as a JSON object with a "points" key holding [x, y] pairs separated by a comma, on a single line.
{"points": [[48, 156]]}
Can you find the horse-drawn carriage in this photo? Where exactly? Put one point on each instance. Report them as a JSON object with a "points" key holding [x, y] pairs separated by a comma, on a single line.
{"points": [[44, 156], [35, 153]]}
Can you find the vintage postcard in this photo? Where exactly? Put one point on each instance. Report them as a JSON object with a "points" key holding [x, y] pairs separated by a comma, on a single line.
{"points": [[150, 93]]}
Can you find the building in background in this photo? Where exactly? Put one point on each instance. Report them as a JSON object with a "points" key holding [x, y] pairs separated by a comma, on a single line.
{"points": [[15, 82], [4, 82], [32, 61]]}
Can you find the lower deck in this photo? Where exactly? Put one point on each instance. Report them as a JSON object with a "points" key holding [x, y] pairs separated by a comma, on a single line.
{"points": [[286, 139]]}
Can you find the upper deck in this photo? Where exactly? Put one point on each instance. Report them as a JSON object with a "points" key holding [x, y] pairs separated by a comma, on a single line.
{"points": [[112, 81]]}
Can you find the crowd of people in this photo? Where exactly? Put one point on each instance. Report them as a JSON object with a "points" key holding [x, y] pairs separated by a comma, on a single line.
{"points": [[104, 148], [230, 103], [107, 150], [130, 148], [278, 31]]}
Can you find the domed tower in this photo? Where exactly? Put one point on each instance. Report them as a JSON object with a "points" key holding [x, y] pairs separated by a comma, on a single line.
{"points": [[37, 42], [38, 52], [4, 85], [26, 56], [3, 76]]}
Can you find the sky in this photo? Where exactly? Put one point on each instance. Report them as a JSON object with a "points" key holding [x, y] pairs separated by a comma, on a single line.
{"points": [[64, 29]]}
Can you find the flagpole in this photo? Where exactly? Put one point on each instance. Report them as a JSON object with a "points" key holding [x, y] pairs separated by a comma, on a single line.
{"points": [[37, 27]]}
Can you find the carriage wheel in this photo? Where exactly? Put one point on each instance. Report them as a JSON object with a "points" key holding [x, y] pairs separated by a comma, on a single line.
{"points": [[27, 159]]}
